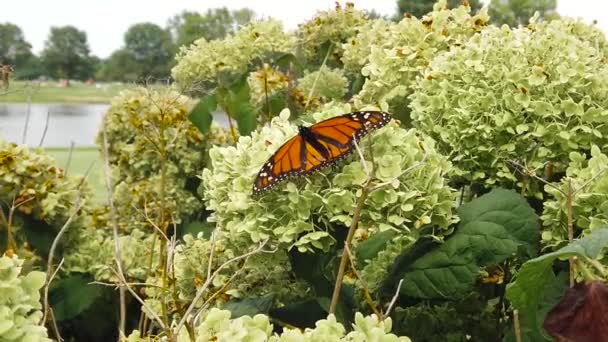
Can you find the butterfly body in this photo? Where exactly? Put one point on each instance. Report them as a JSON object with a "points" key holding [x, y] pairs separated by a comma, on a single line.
{"points": [[317, 146]]}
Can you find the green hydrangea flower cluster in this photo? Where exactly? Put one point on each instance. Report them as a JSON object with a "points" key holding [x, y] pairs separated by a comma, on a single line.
{"points": [[218, 326], [20, 308], [358, 48], [397, 58], [326, 84], [301, 216], [146, 128], [335, 27], [200, 64], [589, 204], [529, 94]]}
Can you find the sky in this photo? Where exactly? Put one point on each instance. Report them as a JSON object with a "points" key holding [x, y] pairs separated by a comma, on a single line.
{"points": [[105, 22]]}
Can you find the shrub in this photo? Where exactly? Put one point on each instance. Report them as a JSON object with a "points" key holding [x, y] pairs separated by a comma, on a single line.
{"points": [[201, 65], [43, 199], [302, 216], [532, 94]]}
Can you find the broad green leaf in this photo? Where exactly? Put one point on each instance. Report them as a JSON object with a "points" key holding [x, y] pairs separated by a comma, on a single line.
{"points": [[537, 274], [236, 102], [370, 248], [492, 228], [71, 296], [200, 116], [250, 306]]}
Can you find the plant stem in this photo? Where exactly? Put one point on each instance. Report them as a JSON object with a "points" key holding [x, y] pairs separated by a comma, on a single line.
{"points": [[569, 218], [351, 232], [516, 326]]}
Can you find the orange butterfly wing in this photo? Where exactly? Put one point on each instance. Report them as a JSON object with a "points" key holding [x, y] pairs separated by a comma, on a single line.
{"points": [[317, 146]]}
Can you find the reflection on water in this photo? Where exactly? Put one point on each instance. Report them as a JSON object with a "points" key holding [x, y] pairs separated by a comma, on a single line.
{"points": [[66, 123]]}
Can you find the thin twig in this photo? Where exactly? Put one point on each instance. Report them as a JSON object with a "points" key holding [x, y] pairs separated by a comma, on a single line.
{"points": [[49, 264], [394, 300], [368, 297], [314, 83], [114, 219], [69, 161], [28, 113], [46, 128], [516, 326], [208, 281], [47, 308]]}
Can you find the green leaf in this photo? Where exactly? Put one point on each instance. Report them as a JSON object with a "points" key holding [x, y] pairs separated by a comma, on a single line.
{"points": [[250, 306], [235, 100], [492, 228], [200, 116], [195, 227], [71, 296], [536, 275], [370, 248]]}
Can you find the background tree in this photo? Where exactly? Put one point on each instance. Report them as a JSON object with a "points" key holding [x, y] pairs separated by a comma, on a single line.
{"points": [[419, 8], [120, 66], [14, 49], [214, 24], [517, 12], [66, 54], [151, 50]]}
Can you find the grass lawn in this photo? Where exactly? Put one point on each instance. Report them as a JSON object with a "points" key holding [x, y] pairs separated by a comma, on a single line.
{"points": [[81, 160], [52, 92]]}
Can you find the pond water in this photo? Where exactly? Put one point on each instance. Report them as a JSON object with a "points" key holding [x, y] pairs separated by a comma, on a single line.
{"points": [[78, 123]]}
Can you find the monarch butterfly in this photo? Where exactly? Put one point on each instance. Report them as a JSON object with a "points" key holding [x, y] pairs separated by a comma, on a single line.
{"points": [[317, 146]]}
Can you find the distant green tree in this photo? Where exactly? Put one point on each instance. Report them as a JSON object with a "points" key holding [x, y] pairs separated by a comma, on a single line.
{"points": [[214, 24], [518, 12], [150, 48], [419, 8], [66, 54], [120, 66], [14, 49]]}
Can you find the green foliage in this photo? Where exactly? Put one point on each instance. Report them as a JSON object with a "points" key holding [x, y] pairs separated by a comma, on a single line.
{"points": [[216, 23], [120, 66], [71, 296], [419, 8], [532, 95], [41, 196], [293, 216], [492, 228], [148, 128], [473, 318], [66, 54], [201, 66], [536, 276], [518, 12], [587, 182], [20, 312], [14, 49], [397, 54], [150, 48]]}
